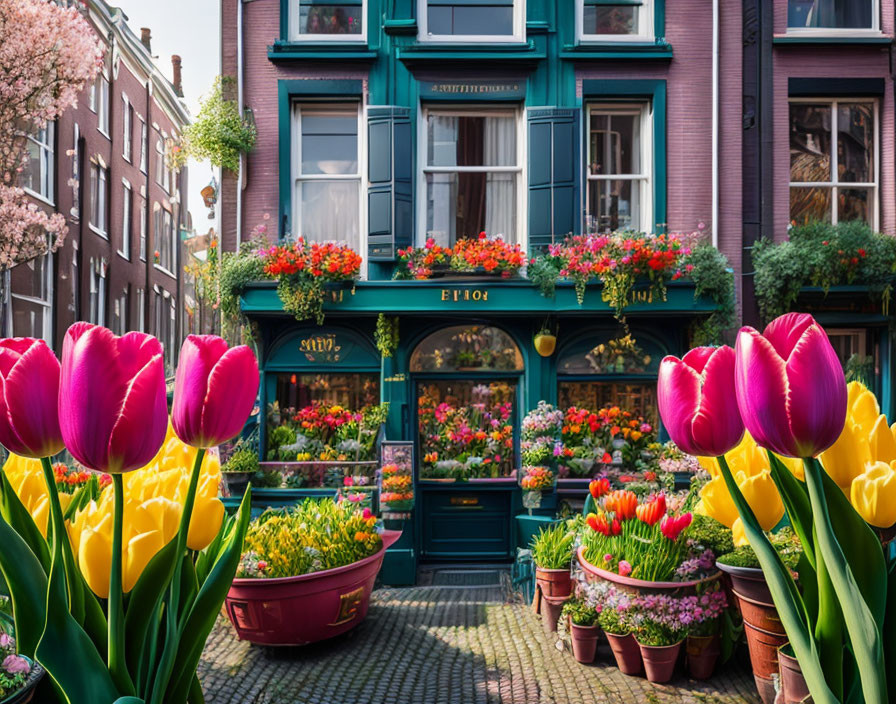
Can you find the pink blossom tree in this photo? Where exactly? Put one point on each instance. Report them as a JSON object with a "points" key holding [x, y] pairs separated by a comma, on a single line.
{"points": [[48, 54]]}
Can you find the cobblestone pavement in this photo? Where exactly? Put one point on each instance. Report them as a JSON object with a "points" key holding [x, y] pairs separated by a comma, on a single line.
{"points": [[440, 645]]}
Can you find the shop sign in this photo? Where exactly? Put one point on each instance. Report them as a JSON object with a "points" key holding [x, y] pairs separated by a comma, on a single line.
{"points": [[321, 348], [466, 89], [456, 295]]}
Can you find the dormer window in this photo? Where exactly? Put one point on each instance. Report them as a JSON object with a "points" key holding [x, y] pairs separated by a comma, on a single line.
{"points": [[832, 15], [471, 20], [339, 20], [614, 20]]}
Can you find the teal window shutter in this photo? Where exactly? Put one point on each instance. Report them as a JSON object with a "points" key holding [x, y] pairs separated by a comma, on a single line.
{"points": [[390, 166], [554, 175]]}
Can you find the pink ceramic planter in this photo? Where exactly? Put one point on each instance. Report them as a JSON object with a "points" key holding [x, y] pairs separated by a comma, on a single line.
{"points": [[640, 586], [308, 608]]}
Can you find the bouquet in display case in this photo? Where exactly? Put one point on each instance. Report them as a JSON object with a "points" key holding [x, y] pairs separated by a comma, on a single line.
{"points": [[534, 481], [397, 477]]}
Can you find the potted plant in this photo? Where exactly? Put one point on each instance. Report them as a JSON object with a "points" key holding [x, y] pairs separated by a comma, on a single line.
{"points": [[583, 629], [306, 573], [793, 685], [552, 554], [659, 629], [18, 675], [534, 481], [703, 643], [612, 620], [240, 469]]}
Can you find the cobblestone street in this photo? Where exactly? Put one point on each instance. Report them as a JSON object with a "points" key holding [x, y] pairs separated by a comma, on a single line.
{"points": [[435, 645]]}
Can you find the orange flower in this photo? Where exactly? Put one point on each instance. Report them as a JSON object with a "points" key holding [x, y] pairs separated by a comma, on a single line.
{"points": [[653, 511], [599, 487], [622, 503]]}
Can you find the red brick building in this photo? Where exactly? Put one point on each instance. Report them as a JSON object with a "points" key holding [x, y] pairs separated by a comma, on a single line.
{"points": [[103, 165]]}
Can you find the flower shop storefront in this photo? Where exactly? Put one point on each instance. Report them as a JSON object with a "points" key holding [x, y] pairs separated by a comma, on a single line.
{"points": [[444, 385]]}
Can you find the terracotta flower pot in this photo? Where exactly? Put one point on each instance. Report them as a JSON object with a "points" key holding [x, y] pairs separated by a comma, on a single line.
{"points": [[627, 653], [640, 586], [659, 661], [703, 654], [584, 642], [551, 607], [556, 583], [308, 608], [793, 684]]}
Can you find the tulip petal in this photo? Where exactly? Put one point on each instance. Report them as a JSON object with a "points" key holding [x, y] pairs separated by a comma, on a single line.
{"points": [[198, 356], [697, 358], [678, 398], [29, 417], [786, 330], [883, 444], [761, 383], [716, 427], [232, 390], [143, 419], [816, 393]]}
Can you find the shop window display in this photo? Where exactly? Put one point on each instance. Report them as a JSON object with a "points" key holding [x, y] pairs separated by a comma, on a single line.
{"points": [[477, 348]]}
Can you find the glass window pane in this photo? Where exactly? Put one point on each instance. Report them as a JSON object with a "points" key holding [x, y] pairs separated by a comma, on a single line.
{"points": [[351, 391], [330, 212], [31, 173], [615, 144], [810, 142], [610, 19], [30, 278], [854, 204], [614, 205], [490, 20], [833, 14], [467, 348], [471, 140], [335, 18], [855, 142], [329, 142], [638, 398], [810, 205], [465, 204], [27, 318], [466, 428]]}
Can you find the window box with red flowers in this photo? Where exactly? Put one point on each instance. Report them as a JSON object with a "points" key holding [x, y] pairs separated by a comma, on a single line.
{"points": [[485, 256]]}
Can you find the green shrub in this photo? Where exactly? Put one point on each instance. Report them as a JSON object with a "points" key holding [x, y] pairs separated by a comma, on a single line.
{"points": [[612, 622], [711, 534], [552, 547], [580, 613], [243, 460], [785, 542]]}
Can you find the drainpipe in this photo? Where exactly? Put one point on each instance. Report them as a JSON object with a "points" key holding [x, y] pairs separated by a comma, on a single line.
{"points": [[715, 123], [239, 99]]}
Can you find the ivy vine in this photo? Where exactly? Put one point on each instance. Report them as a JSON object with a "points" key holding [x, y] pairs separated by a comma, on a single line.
{"points": [[386, 334], [714, 279]]}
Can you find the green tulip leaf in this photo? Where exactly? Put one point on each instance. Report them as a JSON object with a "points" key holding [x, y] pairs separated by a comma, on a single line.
{"points": [[14, 512], [207, 606], [789, 603], [95, 619], [196, 696], [890, 631], [207, 557], [27, 584], [128, 700], [189, 587], [829, 628], [66, 651], [860, 616], [796, 501]]}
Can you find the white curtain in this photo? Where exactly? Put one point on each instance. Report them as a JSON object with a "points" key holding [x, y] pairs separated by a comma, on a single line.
{"points": [[500, 193], [330, 212]]}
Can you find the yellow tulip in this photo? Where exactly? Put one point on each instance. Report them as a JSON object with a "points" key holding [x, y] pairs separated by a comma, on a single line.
{"points": [[40, 513], [882, 442], [761, 493], [208, 515], [862, 408], [157, 514], [717, 502], [95, 560], [845, 459], [873, 494], [137, 554], [738, 535]]}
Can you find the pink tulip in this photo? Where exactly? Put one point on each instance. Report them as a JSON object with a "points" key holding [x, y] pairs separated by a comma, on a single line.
{"points": [[697, 403], [214, 390], [790, 386], [112, 407], [29, 392]]}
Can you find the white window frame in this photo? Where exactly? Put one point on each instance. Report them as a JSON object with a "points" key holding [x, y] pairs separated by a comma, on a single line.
{"points": [[875, 28], [97, 300], [100, 186], [76, 172], [645, 177], [359, 177], [521, 235], [141, 310], [296, 36], [101, 103], [144, 212], [126, 128], [161, 176], [47, 149], [120, 312], [127, 218], [519, 28], [645, 22], [874, 202], [144, 139], [45, 304]]}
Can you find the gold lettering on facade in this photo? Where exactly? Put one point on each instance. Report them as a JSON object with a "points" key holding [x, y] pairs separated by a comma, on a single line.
{"points": [[320, 348], [395, 378], [475, 88], [466, 294]]}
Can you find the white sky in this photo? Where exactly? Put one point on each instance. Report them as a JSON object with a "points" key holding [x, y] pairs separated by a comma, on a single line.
{"points": [[191, 29]]}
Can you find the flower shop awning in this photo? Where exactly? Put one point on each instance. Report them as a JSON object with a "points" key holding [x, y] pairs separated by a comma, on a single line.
{"points": [[477, 297]]}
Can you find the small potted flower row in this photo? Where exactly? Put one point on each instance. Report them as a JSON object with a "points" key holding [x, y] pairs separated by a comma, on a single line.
{"points": [[482, 255]]}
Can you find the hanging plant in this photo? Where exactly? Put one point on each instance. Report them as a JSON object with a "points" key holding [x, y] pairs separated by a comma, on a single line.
{"points": [[220, 133], [386, 334]]}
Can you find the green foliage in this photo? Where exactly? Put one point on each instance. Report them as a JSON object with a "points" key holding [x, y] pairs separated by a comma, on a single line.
{"points": [[219, 133], [243, 460], [279, 436], [580, 612], [711, 534], [611, 621], [544, 272], [386, 334], [552, 547], [303, 298], [823, 255], [238, 270], [712, 277], [267, 479], [785, 543]]}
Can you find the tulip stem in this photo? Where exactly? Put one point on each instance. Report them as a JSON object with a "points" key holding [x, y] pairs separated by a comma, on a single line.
{"points": [[117, 665], [57, 526]]}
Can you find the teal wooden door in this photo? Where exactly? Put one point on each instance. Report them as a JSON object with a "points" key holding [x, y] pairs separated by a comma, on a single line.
{"points": [[467, 522]]}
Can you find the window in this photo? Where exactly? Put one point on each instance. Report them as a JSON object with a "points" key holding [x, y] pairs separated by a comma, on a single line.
{"points": [[31, 295], [163, 236], [166, 329], [161, 171], [143, 214], [328, 179], [447, 20], [98, 101], [614, 20], [833, 161], [336, 20], [141, 310], [99, 199], [37, 176], [144, 138], [120, 313], [126, 219], [619, 168], [471, 174], [98, 291], [127, 117], [76, 173], [827, 15]]}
